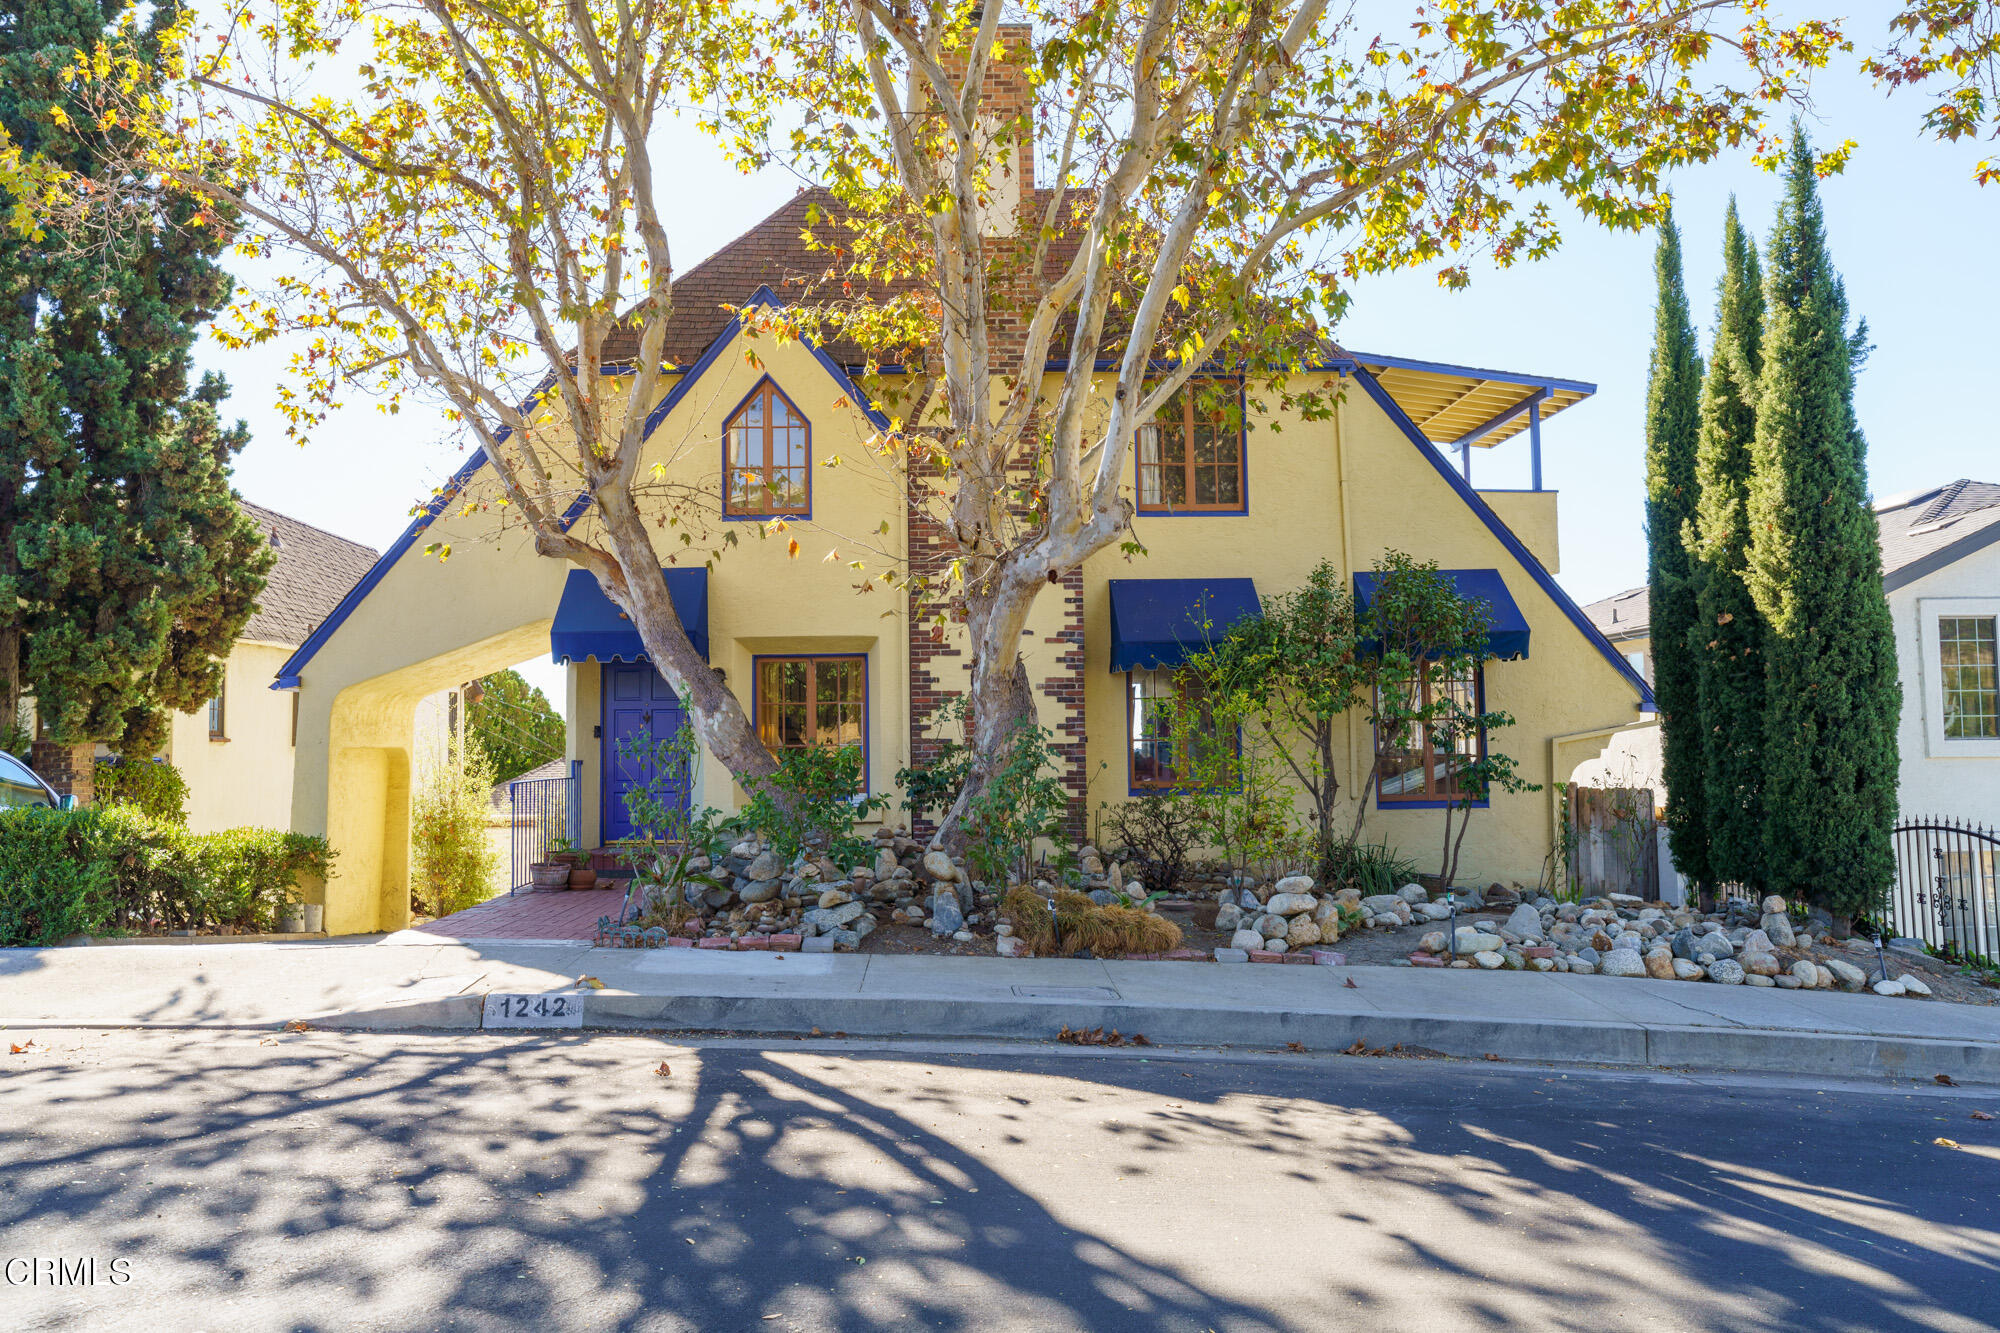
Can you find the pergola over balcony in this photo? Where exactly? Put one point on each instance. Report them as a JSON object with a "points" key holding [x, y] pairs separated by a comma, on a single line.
{"points": [[1460, 407]]}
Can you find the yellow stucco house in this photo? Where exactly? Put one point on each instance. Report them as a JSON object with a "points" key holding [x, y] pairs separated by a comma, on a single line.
{"points": [[236, 754], [1223, 516]]}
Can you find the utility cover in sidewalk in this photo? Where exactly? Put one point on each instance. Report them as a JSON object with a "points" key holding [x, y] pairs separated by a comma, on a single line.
{"points": [[1066, 992]]}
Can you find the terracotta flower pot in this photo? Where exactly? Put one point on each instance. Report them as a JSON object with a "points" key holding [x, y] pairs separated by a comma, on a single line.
{"points": [[550, 874], [581, 876]]}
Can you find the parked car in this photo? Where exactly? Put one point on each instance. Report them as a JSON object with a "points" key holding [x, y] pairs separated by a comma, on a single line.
{"points": [[20, 786]]}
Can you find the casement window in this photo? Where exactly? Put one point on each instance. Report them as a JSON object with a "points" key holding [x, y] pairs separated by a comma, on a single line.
{"points": [[1154, 761], [1971, 693], [1191, 455], [216, 716], [767, 446], [804, 702], [1417, 764]]}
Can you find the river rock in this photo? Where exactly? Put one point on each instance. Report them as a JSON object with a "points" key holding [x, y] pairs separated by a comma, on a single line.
{"points": [[1889, 988], [1773, 905], [1377, 904], [1807, 972], [824, 920], [1488, 959], [885, 863], [1761, 964], [1433, 942], [1413, 894], [1914, 984], [1294, 884], [1687, 970], [1469, 940], [759, 891], [1290, 904], [1725, 971], [1275, 946], [1228, 917], [947, 917], [1778, 927], [1246, 938], [939, 867], [1525, 922], [1581, 967], [834, 897], [1623, 963], [1660, 964], [1301, 932], [765, 866], [1847, 974], [1271, 925]]}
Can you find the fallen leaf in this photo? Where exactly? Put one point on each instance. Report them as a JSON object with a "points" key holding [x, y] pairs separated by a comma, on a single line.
{"points": [[1297, 1047], [1351, 985], [1981, 1115], [1945, 1079], [24, 1048], [298, 1025], [1491, 1056], [590, 983], [815, 1032], [664, 1070], [1945, 1143]]}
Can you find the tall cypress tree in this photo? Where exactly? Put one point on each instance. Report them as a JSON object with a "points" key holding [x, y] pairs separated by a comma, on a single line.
{"points": [[126, 566], [1726, 646], [1814, 571], [1673, 424]]}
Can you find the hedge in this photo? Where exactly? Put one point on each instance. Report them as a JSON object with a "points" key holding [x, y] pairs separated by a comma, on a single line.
{"points": [[152, 786], [92, 871]]}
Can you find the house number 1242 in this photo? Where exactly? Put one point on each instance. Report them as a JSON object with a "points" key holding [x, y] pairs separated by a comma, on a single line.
{"points": [[533, 1011]]}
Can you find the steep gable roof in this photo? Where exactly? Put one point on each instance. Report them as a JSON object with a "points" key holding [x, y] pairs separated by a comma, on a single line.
{"points": [[1623, 615], [314, 571]]}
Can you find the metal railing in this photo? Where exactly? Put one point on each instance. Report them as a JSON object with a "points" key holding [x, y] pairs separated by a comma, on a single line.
{"points": [[1945, 891], [541, 812]]}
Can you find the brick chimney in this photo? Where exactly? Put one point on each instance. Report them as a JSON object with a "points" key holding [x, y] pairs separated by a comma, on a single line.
{"points": [[1006, 101]]}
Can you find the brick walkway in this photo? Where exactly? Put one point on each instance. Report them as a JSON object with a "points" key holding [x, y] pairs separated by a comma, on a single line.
{"points": [[533, 914]]}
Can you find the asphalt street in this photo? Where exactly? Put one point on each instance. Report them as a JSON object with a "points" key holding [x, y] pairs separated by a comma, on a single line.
{"points": [[324, 1180]]}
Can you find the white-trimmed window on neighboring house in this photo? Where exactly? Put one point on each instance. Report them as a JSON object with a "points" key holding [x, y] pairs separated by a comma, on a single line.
{"points": [[1961, 667]]}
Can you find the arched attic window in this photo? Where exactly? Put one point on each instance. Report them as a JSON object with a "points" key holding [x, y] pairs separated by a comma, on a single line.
{"points": [[767, 449]]}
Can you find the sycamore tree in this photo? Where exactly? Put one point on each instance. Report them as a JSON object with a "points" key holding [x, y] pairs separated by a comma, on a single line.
{"points": [[1214, 177], [466, 199], [1951, 47]]}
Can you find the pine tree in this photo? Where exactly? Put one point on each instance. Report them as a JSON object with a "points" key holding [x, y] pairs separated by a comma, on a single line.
{"points": [[1727, 642], [1673, 422], [126, 567], [1831, 702]]}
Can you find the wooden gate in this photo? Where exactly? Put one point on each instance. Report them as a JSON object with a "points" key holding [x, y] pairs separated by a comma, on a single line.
{"points": [[1617, 850]]}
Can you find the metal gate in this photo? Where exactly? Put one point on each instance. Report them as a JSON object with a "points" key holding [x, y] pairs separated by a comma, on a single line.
{"points": [[1946, 871], [541, 812]]}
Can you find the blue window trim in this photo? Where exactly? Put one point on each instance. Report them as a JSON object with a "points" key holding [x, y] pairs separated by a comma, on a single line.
{"points": [[803, 515], [867, 701], [1242, 467], [1522, 555], [289, 673], [1479, 702]]}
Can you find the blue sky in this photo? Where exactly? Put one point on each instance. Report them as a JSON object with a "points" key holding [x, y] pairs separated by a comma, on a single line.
{"points": [[1914, 238]]}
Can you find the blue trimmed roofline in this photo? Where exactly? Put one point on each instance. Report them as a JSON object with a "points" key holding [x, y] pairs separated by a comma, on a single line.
{"points": [[1469, 372], [1515, 547], [288, 674]]}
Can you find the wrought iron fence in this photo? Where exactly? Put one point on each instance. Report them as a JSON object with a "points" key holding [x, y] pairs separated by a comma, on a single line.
{"points": [[541, 812], [1945, 894]]}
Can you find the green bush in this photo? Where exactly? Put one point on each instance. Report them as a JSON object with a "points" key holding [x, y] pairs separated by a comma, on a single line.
{"points": [[154, 787], [452, 861], [813, 802], [91, 870]]}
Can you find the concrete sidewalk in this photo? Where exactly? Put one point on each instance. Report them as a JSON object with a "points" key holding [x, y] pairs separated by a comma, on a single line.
{"points": [[411, 980]]}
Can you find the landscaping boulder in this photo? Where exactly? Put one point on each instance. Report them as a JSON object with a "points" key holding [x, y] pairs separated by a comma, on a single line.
{"points": [[1847, 974], [939, 867], [1660, 964], [1228, 917], [1469, 940], [1623, 963], [1525, 922], [1301, 932], [1725, 971], [1246, 938], [947, 917], [1685, 970], [1294, 884], [1290, 904], [1778, 927]]}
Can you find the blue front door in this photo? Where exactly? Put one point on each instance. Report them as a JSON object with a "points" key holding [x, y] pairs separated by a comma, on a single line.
{"points": [[640, 711]]}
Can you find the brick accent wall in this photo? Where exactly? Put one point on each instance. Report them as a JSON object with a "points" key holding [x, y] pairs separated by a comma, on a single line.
{"points": [[939, 667], [70, 769]]}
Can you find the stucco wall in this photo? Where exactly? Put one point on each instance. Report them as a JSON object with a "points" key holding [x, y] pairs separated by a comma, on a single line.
{"points": [[245, 780], [431, 623], [1942, 779]]}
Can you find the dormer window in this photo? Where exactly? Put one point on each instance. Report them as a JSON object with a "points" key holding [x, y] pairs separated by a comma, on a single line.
{"points": [[766, 446], [1191, 457]]}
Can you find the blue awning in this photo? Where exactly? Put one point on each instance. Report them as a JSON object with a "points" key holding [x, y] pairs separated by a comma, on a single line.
{"points": [[1508, 636], [590, 625], [1160, 622]]}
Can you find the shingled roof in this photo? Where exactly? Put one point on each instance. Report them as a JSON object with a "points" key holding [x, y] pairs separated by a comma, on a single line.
{"points": [[1624, 615], [1923, 531], [314, 571]]}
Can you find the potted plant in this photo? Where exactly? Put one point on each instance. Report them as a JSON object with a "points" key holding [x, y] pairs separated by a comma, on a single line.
{"points": [[550, 874], [579, 874]]}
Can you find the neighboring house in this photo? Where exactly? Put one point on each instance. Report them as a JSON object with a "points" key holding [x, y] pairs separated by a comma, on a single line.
{"points": [[1626, 620], [1225, 514], [236, 754], [1941, 574]]}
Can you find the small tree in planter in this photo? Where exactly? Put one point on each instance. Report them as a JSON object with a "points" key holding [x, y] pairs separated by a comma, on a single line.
{"points": [[1022, 802]]}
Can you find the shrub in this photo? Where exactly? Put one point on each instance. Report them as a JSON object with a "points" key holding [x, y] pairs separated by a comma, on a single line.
{"points": [[1023, 801], [452, 861], [71, 872], [153, 787], [813, 802], [1079, 923], [1371, 867], [1160, 834]]}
